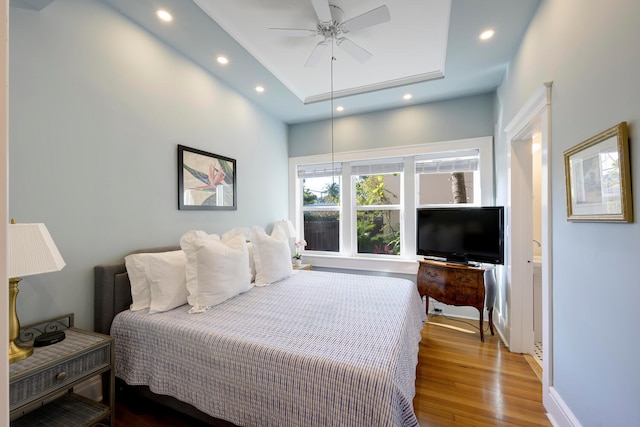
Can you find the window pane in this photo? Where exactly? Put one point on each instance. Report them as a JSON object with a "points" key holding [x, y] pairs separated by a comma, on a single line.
{"points": [[322, 231], [378, 189], [321, 191], [379, 232], [439, 188]]}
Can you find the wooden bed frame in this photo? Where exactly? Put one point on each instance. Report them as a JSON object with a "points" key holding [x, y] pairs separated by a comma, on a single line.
{"points": [[113, 295]]}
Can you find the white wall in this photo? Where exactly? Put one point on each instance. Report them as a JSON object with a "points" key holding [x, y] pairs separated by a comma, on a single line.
{"points": [[589, 50], [97, 109]]}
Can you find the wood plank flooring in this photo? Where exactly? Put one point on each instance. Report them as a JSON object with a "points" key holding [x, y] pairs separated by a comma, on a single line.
{"points": [[460, 381], [464, 382], [144, 413]]}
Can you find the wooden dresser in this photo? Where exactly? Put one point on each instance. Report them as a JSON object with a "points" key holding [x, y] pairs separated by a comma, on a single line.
{"points": [[457, 284]]}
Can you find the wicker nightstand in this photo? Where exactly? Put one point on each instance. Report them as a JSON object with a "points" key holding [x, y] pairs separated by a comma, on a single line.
{"points": [[40, 386]]}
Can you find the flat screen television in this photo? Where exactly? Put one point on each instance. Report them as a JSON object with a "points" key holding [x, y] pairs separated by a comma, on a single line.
{"points": [[462, 234]]}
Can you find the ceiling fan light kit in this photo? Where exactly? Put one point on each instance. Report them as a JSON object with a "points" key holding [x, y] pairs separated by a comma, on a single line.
{"points": [[331, 26]]}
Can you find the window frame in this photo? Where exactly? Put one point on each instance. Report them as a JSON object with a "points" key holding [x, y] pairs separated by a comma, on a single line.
{"points": [[356, 208], [477, 187], [347, 257], [320, 208]]}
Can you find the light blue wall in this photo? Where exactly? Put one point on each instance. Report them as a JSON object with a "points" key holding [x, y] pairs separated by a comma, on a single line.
{"points": [[589, 49], [460, 118], [97, 109]]}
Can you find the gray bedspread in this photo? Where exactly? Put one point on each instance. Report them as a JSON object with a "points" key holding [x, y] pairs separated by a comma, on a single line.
{"points": [[316, 349]]}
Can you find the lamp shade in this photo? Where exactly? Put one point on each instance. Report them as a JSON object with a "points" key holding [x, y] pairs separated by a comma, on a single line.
{"points": [[286, 226], [32, 251]]}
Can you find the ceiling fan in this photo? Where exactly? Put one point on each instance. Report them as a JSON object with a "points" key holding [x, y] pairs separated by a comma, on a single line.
{"points": [[331, 26]]}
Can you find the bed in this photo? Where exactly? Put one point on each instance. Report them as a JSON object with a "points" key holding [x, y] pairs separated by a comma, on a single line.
{"points": [[316, 348]]}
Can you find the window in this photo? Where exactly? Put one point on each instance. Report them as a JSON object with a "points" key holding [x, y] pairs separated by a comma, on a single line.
{"points": [[362, 205], [448, 177], [321, 206], [377, 187]]}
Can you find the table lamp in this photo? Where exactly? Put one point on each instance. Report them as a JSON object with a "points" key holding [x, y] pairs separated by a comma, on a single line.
{"points": [[286, 226], [288, 229], [31, 251]]}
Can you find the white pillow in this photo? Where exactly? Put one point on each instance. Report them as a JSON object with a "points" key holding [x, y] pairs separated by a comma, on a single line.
{"points": [[189, 244], [252, 263], [167, 280], [140, 293], [223, 271], [271, 255], [244, 232]]}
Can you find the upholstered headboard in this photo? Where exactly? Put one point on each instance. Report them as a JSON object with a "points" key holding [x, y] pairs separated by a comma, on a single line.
{"points": [[113, 290]]}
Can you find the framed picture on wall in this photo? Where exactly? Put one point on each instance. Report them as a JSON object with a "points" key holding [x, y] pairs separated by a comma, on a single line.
{"points": [[206, 181], [598, 178]]}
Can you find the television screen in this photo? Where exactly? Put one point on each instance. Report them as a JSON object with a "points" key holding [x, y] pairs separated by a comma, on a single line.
{"points": [[462, 234]]}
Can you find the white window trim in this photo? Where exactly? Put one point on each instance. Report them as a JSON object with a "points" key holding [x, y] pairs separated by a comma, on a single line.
{"points": [[378, 208], [405, 263]]}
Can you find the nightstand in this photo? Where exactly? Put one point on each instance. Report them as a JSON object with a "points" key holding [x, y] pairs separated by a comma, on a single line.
{"points": [[303, 267], [41, 386]]}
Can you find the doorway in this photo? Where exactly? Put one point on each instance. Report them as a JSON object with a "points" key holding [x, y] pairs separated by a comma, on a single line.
{"points": [[536, 243], [531, 122]]}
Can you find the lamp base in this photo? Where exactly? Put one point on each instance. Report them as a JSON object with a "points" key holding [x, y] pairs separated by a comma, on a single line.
{"points": [[17, 352]]}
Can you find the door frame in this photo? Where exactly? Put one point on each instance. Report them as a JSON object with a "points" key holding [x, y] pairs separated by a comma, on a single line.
{"points": [[535, 114]]}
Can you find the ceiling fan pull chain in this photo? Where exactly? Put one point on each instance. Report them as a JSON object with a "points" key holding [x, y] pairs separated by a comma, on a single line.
{"points": [[333, 175]]}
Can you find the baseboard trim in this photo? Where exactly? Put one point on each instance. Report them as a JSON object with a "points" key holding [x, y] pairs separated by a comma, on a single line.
{"points": [[559, 413], [499, 324]]}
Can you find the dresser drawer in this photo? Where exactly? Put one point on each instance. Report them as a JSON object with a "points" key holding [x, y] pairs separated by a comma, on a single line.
{"points": [[33, 387], [455, 285], [436, 276], [462, 278], [462, 294], [431, 281]]}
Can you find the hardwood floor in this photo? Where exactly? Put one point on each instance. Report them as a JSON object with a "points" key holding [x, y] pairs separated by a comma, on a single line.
{"points": [[144, 413], [460, 381], [464, 382]]}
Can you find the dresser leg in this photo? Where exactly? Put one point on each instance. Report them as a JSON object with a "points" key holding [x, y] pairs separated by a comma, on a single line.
{"points": [[490, 309]]}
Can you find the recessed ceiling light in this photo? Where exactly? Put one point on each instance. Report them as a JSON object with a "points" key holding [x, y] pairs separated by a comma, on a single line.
{"points": [[259, 89], [487, 34], [222, 60], [340, 108], [407, 96], [164, 15]]}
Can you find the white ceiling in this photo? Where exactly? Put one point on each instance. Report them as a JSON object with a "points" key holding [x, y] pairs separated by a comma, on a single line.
{"points": [[417, 55], [423, 39]]}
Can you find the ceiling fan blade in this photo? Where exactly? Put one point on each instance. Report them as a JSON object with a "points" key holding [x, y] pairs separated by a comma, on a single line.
{"points": [[315, 56], [322, 10], [295, 32], [361, 55], [373, 17]]}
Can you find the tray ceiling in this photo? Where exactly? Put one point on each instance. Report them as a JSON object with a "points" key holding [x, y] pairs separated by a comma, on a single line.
{"points": [[428, 48]]}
